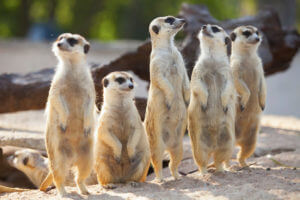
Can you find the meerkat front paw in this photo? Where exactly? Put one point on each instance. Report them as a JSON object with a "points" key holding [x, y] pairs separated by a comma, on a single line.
{"points": [[203, 107], [63, 127], [87, 131], [131, 154], [242, 107], [225, 109]]}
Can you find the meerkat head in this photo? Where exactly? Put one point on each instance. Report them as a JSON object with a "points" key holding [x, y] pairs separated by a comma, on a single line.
{"points": [[246, 36], [213, 36], [165, 27], [67, 45], [26, 160], [118, 82]]}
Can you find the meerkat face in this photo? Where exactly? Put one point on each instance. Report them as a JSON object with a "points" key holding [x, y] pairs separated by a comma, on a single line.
{"points": [[25, 159], [246, 35], [70, 44], [118, 81], [165, 26], [213, 34]]}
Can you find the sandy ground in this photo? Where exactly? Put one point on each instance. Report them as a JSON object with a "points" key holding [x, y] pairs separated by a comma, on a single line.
{"points": [[263, 180]]}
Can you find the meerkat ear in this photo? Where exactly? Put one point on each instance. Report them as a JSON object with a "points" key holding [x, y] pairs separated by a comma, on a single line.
{"points": [[232, 36], [227, 40], [105, 82], [86, 48], [25, 161], [155, 29]]}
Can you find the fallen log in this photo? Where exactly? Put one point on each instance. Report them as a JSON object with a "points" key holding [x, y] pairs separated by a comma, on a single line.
{"points": [[27, 92]]}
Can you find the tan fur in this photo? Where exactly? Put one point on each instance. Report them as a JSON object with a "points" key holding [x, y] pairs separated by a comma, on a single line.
{"points": [[4, 189], [122, 150], [166, 113], [251, 87], [70, 114], [211, 112], [31, 163]]}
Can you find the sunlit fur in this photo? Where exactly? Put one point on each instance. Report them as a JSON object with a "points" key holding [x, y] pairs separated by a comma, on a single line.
{"points": [[166, 113], [251, 87], [211, 112]]}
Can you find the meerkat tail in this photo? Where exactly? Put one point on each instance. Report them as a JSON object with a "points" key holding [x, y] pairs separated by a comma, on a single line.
{"points": [[47, 182], [4, 189]]}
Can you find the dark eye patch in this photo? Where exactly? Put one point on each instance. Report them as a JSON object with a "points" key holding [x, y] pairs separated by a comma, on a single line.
{"points": [[72, 41], [170, 20], [215, 29], [120, 80], [246, 33], [131, 79], [257, 32], [25, 160]]}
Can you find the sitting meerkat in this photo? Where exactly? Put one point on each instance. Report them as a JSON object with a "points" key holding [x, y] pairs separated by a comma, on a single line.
{"points": [[70, 113], [251, 87], [166, 112], [211, 112], [122, 151]]}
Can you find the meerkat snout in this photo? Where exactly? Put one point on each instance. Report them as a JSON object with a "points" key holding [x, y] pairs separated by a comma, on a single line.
{"points": [[70, 43]]}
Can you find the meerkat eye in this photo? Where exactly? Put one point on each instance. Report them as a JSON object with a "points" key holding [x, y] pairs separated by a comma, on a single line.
{"points": [[257, 33], [246, 33], [72, 41], [25, 160], [215, 29], [170, 20], [131, 79], [120, 80]]}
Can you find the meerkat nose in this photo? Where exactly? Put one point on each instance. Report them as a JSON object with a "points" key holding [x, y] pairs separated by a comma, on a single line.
{"points": [[204, 27], [130, 86], [257, 39], [182, 21], [59, 44]]}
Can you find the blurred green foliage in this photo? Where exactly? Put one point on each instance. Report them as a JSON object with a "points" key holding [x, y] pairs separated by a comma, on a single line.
{"points": [[104, 19]]}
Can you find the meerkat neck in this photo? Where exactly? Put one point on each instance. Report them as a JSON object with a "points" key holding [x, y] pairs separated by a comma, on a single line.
{"points": [[244, 51], [73, 61], [214, 52], [117, 99], [162, 43]]}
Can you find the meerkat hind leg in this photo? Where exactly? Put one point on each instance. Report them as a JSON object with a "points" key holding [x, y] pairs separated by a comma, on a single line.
{"points": [[175, 159], [157, 158], [59, 179]]}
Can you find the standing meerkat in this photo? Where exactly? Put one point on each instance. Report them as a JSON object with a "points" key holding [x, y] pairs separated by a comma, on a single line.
{"points": [[211, 112], [166, 113], [70, 113], [122, 151], [251, 87]]}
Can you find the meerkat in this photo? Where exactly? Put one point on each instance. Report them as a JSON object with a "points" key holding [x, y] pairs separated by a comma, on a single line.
{"points": [[31, 163], [211, 113], [251, 87], [122, 151], [35, 166], [70, 113], [4, 189], [166, 112]]}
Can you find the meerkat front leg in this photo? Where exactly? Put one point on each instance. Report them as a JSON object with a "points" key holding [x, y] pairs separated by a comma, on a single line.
{"points": [[133, 140], [242, 90], [200, 89], [158, 79], [111, 140], [60, 105], [88, 116], [262, 93], [225, 94]]}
